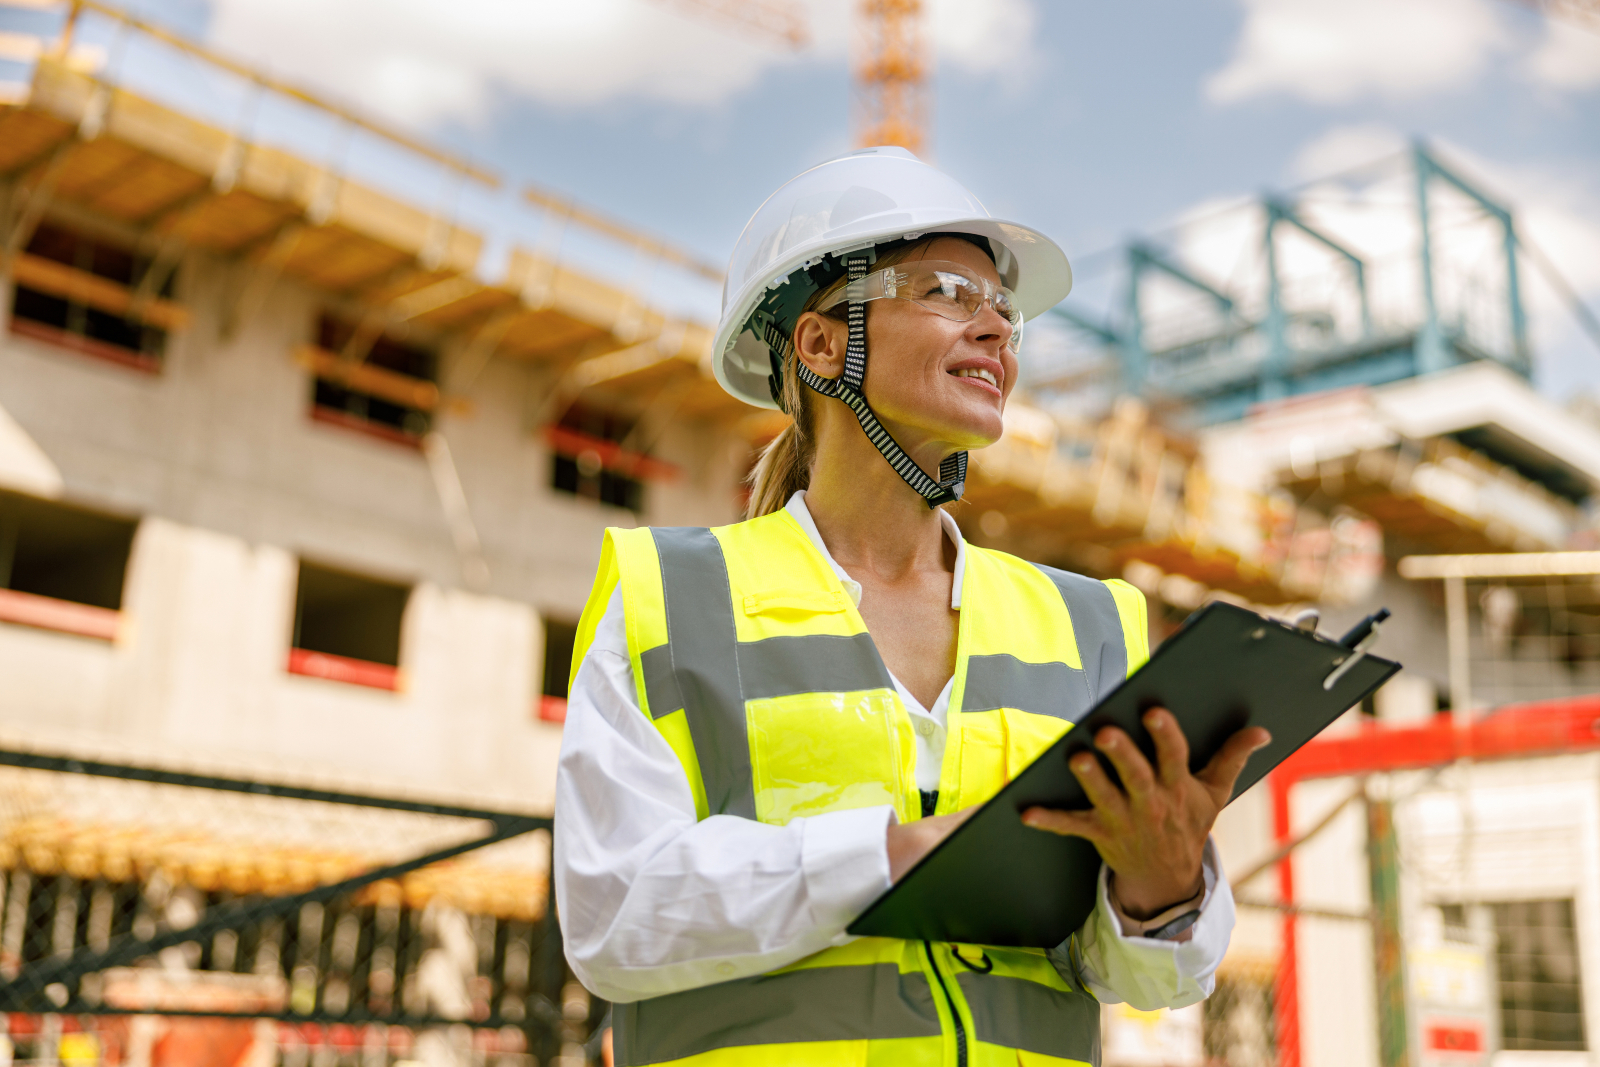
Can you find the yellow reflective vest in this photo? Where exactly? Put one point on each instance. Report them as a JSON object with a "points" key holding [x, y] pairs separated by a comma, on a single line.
{"points": [[753, 662]]}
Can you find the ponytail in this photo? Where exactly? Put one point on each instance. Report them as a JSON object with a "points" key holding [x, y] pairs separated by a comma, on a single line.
{"points": [[783, 469]]}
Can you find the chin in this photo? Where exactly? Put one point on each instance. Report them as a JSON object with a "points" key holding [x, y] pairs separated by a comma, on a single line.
{"points": [[972, 429]]}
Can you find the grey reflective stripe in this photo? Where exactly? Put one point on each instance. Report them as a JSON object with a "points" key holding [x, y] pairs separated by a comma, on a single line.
{"points": [[1097, 627], [871, 1001], [660, 684], [1004, 681], [705, 662], [1017, 1013], [783, 666]]}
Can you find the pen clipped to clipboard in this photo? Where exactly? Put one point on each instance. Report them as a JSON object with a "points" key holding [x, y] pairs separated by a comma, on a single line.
{"points": [[1359, 640]]}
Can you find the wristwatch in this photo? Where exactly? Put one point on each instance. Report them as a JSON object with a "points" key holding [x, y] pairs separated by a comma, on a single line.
{"points": [[1163, 927], [1168, 931]]}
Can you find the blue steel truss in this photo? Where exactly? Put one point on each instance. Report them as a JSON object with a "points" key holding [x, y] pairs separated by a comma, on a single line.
{"points": [[1217, 377]]}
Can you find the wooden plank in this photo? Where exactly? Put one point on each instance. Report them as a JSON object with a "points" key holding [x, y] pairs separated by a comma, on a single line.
{"points": [[103, 294], [62, 616], [27, 137], [364, 378]]}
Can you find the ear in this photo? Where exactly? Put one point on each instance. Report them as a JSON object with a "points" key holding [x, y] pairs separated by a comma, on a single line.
{"points": [[821, 343]]}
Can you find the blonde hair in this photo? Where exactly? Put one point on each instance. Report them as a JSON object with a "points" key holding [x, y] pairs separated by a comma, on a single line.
{"points": [[784, 466]]}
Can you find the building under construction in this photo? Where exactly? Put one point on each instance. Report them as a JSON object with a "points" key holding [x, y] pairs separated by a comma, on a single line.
{"points": [[304, 464]]}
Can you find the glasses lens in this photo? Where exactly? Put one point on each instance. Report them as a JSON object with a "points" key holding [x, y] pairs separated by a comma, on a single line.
{"points": [[949, 289], [953, 295]]}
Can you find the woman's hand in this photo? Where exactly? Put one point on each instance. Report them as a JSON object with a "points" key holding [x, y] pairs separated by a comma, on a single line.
{"points": [[909, 842], [1152, 831]]}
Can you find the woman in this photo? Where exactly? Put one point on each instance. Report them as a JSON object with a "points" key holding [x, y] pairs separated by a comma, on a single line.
{"points": [[769, 723]]}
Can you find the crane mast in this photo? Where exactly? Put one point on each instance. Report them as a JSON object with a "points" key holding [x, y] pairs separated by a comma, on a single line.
{"points": [[891, 69], [892, 74]]}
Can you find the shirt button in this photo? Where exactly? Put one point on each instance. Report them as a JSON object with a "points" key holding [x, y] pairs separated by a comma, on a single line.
{"points": [[925, 727], [725, 968]]}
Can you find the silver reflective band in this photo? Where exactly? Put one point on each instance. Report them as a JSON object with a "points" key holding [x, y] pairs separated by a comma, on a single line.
{"points": [[703, 651], [866, 1002], [1094, 615], [1017, 1013], [1004, 681]]}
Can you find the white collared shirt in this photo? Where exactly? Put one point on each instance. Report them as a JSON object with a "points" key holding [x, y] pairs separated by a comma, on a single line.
{"points": [[653, 901]]}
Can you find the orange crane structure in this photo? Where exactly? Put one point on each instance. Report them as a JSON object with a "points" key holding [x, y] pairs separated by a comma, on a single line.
{"points": [[890, 66]]}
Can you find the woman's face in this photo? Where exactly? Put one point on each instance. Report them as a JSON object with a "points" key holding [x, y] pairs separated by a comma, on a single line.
{"points": [[932, 378]]}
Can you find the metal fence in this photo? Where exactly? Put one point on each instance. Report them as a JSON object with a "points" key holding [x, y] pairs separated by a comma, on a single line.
{"points": [[156, 917]]}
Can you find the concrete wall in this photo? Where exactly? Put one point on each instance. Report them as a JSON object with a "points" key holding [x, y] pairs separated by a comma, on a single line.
{"points": [[232, 481]]}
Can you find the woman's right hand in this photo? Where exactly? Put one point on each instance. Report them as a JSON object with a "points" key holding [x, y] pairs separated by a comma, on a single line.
{"points": [[909, 842]]}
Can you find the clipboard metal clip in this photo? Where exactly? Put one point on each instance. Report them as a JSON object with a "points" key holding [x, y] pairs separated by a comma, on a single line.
{"points": [[1359, 640]]}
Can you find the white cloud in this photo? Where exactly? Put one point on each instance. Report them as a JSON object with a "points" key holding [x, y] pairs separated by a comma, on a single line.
{"points": [[1344, 148], [1333, 52], [993, 37], [422, 61], [1567, 58]]}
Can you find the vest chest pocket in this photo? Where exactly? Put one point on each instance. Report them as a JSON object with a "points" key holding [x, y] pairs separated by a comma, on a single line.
{"points": [[996, 745], [817, 752]]}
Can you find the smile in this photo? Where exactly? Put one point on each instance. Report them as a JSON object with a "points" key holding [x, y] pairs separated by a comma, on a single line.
{"points": [[976, 372]]}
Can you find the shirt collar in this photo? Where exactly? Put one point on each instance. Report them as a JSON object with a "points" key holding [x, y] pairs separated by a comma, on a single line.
{"points": [[796, 507]]}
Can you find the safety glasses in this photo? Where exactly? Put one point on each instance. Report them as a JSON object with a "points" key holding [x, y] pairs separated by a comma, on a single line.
{"points": [[944, 288]]}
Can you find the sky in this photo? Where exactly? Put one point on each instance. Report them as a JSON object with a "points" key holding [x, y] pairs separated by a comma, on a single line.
{"points": [[1094, 122]]}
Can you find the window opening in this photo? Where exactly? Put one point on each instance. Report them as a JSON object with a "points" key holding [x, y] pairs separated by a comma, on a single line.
{"points": [[62, 568], [65, 553], [588, 461], [560, 637], [352, 617], [77, 308], [391, 393], [1541, 995]]}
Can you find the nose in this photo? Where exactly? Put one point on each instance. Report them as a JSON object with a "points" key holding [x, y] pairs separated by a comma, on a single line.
{"points": [[989, 325]]}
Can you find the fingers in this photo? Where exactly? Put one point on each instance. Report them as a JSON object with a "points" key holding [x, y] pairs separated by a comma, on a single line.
{"points": [[1098, 786], [1082, 824], [1223, 770], [1138, 778], [1172, 748]]}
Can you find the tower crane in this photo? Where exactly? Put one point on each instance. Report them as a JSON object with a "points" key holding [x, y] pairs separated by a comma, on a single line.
{"points": [[890, 67]]}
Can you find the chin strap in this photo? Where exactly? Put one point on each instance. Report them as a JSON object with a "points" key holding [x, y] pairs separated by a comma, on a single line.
{"points": [[848, 388]]}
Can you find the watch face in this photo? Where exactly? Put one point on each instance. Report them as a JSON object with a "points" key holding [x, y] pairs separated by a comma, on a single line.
{"points": [[1168, 931]]}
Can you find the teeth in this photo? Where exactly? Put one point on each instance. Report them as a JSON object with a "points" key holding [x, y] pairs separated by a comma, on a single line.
{"points": [[977, 372]]}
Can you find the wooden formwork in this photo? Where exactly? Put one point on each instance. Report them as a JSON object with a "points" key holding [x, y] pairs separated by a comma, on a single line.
{"points": [[1113, 492], [74, 140], [1443, 497]]}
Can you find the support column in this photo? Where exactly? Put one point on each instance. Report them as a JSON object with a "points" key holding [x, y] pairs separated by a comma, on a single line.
{"points": [[1272, 384], [1135, 360], [1458, 637], [1388, 946], [1429, 349], [1286, 987]]}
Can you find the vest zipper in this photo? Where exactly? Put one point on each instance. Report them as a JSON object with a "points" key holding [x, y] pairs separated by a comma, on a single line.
{"points": [[955, 1016]]}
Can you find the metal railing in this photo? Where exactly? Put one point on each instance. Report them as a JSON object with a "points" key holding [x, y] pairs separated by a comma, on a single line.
{"points": [[334, 920]]}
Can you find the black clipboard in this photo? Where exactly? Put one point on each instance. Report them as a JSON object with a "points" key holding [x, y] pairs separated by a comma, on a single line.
{"points": [[995, 881]]}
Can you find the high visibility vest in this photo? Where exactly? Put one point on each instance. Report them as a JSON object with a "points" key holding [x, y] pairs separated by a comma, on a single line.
{"points": [[753, 662]]}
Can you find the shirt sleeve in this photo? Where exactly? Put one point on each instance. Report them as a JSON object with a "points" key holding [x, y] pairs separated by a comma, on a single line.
{"points": [[1147, 973], [652, 901]]}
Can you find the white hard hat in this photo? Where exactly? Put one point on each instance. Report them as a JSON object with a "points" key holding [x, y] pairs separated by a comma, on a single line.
{"points": [[853, 202]]}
